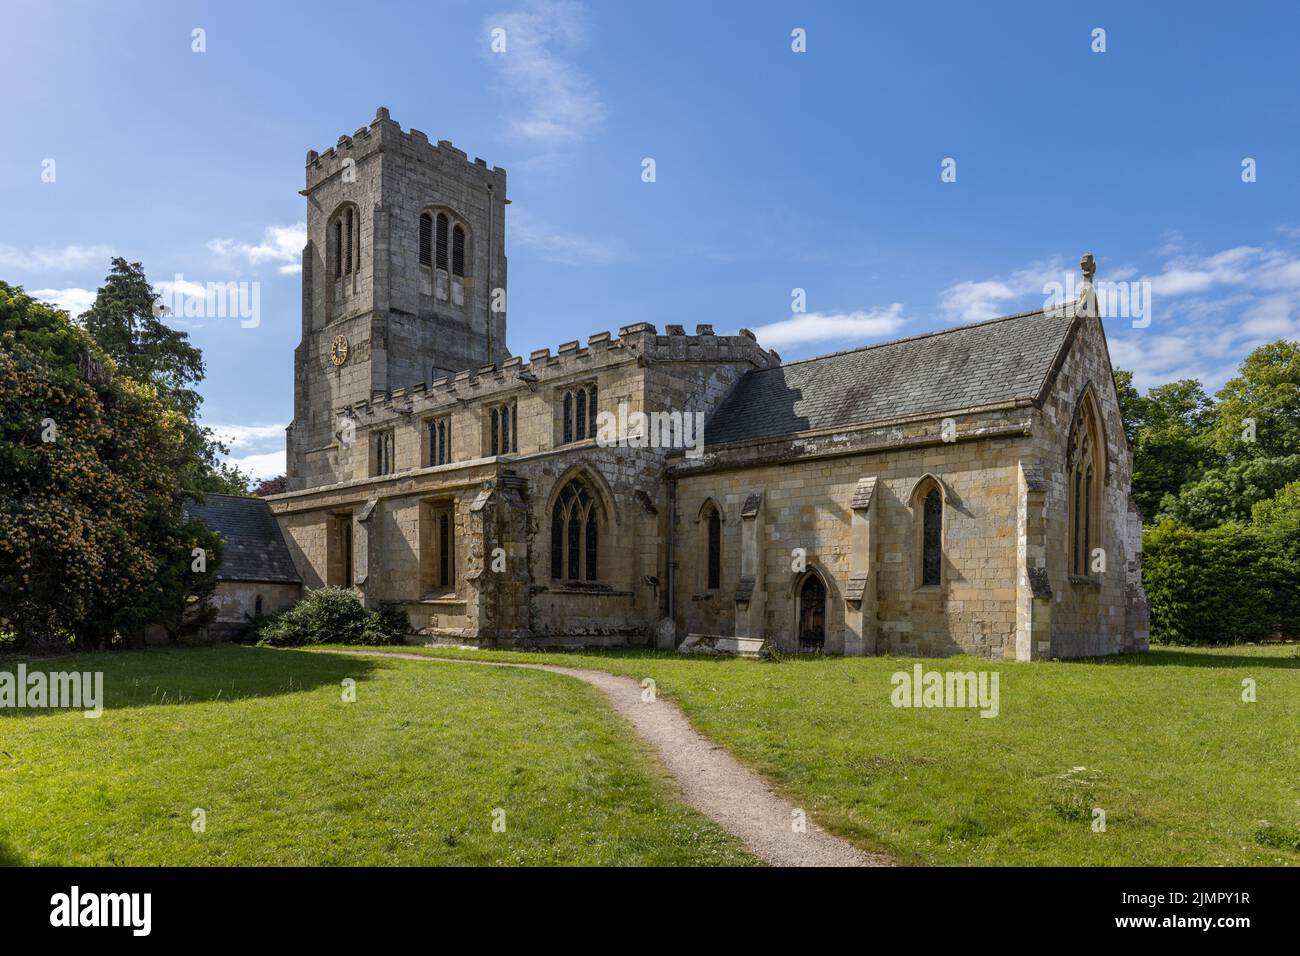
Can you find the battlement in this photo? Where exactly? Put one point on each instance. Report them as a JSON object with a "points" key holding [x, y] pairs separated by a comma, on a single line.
{"points": [[385, 134], [639, 342]]}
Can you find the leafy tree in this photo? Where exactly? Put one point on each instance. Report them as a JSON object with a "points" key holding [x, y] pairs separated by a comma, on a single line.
{"points": [[1167, 429], [1266, 391], [125, 321], [1228, 493], [90, 502], [272, 486], [1281, 513]]}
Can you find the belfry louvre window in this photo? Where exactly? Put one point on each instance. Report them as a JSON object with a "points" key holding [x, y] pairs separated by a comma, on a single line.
{"points": [[440, 260], [575, 534], [346, 246], [439, 441], [579, 412], [458, 251], [502, 433], [426, 239]]}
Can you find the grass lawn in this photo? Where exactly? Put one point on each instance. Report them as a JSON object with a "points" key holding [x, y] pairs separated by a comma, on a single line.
{"points": [[290, 774], [1186, 772]]}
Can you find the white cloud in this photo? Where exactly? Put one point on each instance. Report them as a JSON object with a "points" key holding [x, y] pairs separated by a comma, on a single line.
{"points": [[832, 326], [556, 103], [975, 301], [63, 259], [282, 244], [564, 248], [73, 301], [248, 436], [262, 466]]}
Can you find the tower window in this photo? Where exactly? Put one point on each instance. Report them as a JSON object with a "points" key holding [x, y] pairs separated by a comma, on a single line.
{"points": [[458, 251], [345, 244], [440, 259], [426, 239]]}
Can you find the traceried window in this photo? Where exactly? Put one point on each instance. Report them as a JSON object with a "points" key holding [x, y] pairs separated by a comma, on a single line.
{"points": [[575, 533], [502, 434], [439, 441], [1085, 468], [579, 412]]}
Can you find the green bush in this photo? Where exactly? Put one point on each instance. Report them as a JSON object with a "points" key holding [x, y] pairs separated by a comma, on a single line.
{"points": [[334, 616], [1227, 585]]}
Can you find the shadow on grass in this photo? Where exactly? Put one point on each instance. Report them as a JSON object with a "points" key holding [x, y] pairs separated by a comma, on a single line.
{"points": [[190, 675], [1200, 657]]}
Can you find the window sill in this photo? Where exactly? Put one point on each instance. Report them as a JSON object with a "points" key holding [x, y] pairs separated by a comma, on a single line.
{"points": [[929, 589], [442, 597], [1086, 580], [591, 589]]}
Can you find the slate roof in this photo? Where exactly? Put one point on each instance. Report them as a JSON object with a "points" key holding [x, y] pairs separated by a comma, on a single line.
{"points": [[970, 365], [254, 547]]}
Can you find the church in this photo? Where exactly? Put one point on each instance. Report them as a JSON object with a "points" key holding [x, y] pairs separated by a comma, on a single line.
{"points": [[961, 491]]}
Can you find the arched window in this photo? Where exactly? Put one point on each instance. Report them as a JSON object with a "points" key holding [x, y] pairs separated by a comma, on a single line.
{"points": [[713, 524], [579, 412], [1085, 470], [426, 239], [503, 437], [575, 533], [927, 506], [458, 251], [345, 243], [441, 259]]}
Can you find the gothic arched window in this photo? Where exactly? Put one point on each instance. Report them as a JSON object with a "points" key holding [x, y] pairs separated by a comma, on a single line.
{"points": [[575, 533], [1085, 470], [579, 412], [458, 251], [426, 239], [440, 259], [713, 539], [927, 504], [344, 241]]}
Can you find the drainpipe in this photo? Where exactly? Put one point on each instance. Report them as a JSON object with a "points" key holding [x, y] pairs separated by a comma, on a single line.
{"points": [[670, 590]]}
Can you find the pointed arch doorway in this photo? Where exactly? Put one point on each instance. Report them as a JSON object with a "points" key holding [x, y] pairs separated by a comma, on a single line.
{"points": [[810, 620]]}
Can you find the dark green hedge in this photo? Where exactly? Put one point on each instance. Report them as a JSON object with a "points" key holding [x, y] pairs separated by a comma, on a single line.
{"points": [[333, 616], [1227, 585]]}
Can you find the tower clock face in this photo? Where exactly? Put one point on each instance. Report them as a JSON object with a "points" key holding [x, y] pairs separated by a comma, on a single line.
{"points": [[339, 350]]}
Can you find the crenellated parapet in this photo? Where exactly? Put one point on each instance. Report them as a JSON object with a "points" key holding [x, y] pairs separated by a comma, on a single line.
{"points": [[638, 343], [385, 134]]}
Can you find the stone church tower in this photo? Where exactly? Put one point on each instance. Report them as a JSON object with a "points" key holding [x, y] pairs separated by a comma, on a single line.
{"points": [[405, 245]]}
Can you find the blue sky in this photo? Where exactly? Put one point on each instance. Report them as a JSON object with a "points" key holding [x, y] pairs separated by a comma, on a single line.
{"points": [[775, 170]]}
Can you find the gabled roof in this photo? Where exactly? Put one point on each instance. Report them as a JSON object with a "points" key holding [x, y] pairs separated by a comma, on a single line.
{"points": [[254, 547], [968, 366]]}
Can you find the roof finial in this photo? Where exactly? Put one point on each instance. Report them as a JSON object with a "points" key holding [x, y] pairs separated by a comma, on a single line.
{"points": [[1087, 295], [1089, 266]]}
